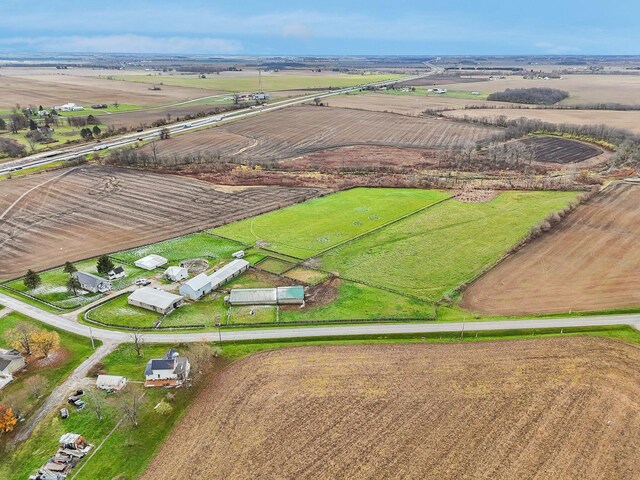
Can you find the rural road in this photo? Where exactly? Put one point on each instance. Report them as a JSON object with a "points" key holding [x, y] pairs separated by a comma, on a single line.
{"points": [[110, 336], [182, 127]]}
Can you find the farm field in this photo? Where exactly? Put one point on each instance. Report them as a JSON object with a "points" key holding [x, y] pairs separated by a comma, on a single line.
{"points": [[298, 130], [92, 210], [560, 150], [400, 409], [582, 89], [314, 226], [626, 120], [590, 262], [433, 252], [270, 81], [50, 89]]}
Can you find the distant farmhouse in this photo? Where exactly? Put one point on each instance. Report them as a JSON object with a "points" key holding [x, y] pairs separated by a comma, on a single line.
{"points": [[150, 262], [155, 300], [170, 371], [92, 283], [267, 296], [68, 107], [10, 362]]}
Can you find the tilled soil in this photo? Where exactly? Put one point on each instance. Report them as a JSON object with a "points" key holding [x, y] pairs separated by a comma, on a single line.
{"points": [[590, 262], [528, 409], [94, 210]]}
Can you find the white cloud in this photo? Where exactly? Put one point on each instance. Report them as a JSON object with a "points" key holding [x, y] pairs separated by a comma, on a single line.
{"points": [[123, 43], [296, 30]]}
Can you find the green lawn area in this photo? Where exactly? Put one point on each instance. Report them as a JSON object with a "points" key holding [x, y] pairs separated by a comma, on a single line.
{"points": [[209, 310], [433, 252], [355, 301], [63, 133], [54, 284], [274, 265], [75, 349], [252, 315], [308, 228], [122, 107], [118, 312], [177, 249], [270, 82]]}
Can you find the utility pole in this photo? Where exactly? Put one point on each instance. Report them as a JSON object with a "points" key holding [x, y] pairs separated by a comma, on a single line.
{"points": [[93, 345], [219, 334], [259, 80]]}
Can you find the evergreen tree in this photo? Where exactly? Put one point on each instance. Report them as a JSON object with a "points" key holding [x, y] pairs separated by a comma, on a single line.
{"points": [[69, 268], [33, 125], [105, 265], [32, 279], [96, 130], [73, 285]]}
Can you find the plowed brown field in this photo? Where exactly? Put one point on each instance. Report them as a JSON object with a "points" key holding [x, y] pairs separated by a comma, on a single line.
{"points": [[591, 262], [94, 210], [528, 409], [298, 130]]}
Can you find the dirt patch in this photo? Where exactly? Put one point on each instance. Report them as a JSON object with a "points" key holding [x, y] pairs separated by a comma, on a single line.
{"points": [[363, 157], [591, 261], [322, 294], [472, 195], [552, 408], [195, 265], [56, 358], [94, 210]]}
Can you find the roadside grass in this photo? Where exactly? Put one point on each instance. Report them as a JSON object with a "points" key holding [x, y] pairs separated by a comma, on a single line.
{"points": [[28, 300], [270, 82], [74, 350], [54, 284], [36, 169], [435, 251], [308, 228], [197, 245], [207, 311], [359, 302]]}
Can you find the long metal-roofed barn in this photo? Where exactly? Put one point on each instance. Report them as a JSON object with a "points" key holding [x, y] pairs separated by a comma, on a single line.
{"points": [[197, 287], [226, 273], [155, 300], [267, 296]]}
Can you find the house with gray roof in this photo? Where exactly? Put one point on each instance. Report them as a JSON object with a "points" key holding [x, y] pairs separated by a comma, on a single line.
{"points": [[10, 362], [170, 371], [92, 283]]}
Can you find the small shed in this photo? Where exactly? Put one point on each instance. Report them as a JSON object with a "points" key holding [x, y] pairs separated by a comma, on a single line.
{"points": [[73, 441], [116, 273], [239, 254], [150, 262], [175, 274], [197, 287], [111, 382], [155, 300]]}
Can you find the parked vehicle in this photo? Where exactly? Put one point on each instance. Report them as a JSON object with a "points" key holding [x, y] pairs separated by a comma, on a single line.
{"points": [[142, 282], [64, 413]]}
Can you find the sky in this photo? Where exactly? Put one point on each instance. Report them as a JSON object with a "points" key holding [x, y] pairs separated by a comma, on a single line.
{"points": [[329, 27]]}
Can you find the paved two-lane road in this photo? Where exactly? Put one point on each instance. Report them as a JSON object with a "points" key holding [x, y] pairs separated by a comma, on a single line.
{"points": [[111, 336]]}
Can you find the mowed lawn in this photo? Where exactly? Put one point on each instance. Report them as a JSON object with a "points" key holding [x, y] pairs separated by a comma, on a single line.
{"points": [[270, 82], [197, 245], [309, 228], [435, 251]]}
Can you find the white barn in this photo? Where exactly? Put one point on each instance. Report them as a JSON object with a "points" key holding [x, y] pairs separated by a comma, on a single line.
{"points": [[197, 287], [175, 274], [111, 382], [155, 300], [150, 262], [228, 272]]}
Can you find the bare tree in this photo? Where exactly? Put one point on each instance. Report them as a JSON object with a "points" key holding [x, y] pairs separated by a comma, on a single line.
{"points": [[138, 342], [165, 134], [131, 407], [36, 385], [97, 403], [154, 151]]}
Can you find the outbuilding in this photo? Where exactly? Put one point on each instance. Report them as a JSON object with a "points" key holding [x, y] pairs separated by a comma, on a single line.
{"points": [[155, 300], [170, 371], [175, 274], [293, 295], [116, 273], [228, 272], [111, 382], [92, 283], [197, 287], [151, 262]]}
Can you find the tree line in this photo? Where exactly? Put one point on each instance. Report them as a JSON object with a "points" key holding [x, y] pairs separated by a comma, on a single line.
{"points": [[532, 96]]}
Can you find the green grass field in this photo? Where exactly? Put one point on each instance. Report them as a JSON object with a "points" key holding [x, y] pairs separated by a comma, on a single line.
{"points": [[252, 315], [274, 265], [435, 251], [308, 228], [122, 107], [118, 312], [54, 285], [191, 246], [270, 82]]}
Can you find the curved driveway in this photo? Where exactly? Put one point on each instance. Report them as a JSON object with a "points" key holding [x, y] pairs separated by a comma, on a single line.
{"points": [[111, 336]]}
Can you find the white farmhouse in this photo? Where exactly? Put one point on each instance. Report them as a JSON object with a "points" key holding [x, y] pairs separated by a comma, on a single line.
{"points": [[170, 371], [150, 262], [10, 362], [68, 107], [92, 283]]}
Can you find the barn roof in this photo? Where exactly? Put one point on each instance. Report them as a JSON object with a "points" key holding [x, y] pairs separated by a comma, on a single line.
{"points": [[89, 279], [153, 296], [198, 282], [228, 270], [291, 293], [253, 295]]}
